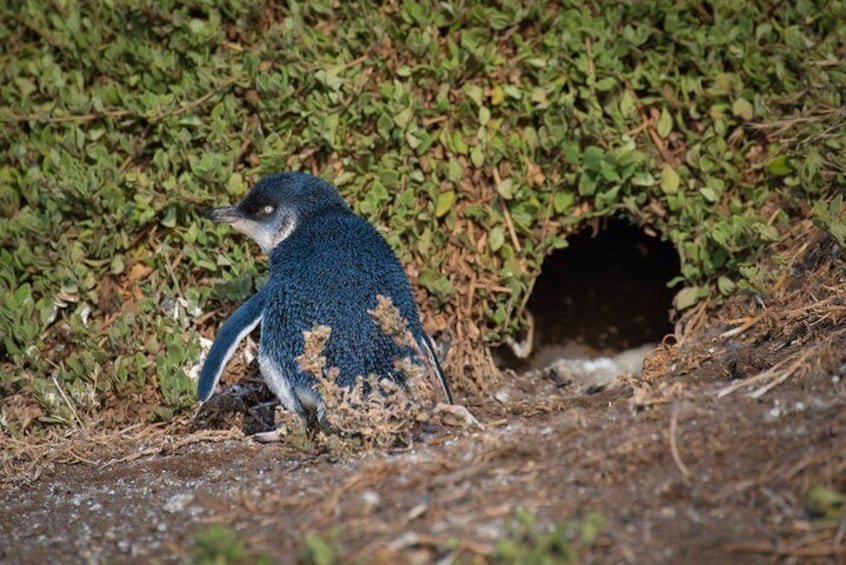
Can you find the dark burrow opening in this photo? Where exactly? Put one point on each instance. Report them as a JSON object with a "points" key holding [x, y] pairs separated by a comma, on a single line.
{"points": [[604, 294]]}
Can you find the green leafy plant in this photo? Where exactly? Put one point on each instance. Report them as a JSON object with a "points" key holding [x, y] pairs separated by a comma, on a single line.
{"points": [[526, 543], [221, 545], [831, 217], [321, 549], [827, 504]]}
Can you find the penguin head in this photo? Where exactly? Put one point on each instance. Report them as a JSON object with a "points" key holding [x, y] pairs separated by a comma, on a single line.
{"points": [[276, 205]]}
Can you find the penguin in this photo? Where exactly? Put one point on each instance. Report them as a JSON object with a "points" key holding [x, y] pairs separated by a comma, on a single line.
{"points": [[327, 267]]}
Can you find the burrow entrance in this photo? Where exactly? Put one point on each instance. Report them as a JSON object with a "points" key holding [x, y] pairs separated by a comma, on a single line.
{"points": [[604, 294]]}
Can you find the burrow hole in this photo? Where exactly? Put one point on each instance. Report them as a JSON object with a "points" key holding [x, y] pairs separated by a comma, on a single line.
{"points": [[604, 294]]}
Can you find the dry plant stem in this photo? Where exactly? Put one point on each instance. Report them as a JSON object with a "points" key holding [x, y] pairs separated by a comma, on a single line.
{"points": [[412, 539], [819, 551], [377, 410], [674, 448], [67, 401], [24, 461], [165, 446], [748, 323], [272, 436], [771, 375], [691, 321]]}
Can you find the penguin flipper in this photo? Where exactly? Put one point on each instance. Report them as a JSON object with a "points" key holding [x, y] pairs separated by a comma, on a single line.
{"points": [[236, 328], [429, 349]]}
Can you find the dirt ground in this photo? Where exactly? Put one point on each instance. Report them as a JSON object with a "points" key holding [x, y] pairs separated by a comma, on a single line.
{"points": [[709, 457]]}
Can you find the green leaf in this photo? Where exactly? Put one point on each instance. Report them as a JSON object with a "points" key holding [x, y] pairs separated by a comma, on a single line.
{"points": [[562, 201], [454, 171], [384, 125], [236, 185], [768, 232], [687, 297], [319, 551], [593, 157], [606, 84], [403, 118], [474, 93], [592, 526], [643, 178], [484, 115], [669, 180], [726, 286], [506, 188], [497, 238], [117, 265], [743, 109], [779, 166], [524, 214], [709, 194], [444, 203], [571, 153], [458, 143], [477, 156], [169, 219], [665, 124], [827, 503]]}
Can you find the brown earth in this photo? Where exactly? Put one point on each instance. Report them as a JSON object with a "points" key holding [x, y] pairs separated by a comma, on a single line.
{"points": [[709, 457]]}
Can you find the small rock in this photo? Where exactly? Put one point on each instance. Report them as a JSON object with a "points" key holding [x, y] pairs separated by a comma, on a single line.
{"points": [[371, 497], [502, 395], [177, 502]]}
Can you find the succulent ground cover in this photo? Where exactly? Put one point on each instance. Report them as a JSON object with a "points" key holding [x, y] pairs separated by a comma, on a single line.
{"points": [[478, 137]]}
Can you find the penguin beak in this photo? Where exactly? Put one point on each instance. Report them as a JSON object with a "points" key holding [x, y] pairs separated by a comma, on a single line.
{"points": [[261, 232], [228, 214]]}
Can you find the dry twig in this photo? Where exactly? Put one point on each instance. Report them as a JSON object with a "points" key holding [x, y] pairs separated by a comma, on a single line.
{"points": [[674, 448]]}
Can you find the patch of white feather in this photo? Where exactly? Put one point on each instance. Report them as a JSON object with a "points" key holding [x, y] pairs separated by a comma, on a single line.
{"points": [[268, 236], [276, 381], [287, 227]]}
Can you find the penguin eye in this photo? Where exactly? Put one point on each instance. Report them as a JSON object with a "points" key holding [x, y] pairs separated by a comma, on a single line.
{"points": [[267, 210]]}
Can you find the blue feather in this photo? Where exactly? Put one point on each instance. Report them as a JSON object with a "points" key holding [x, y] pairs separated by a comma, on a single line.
{"points": [[329, 272], [236, 328]]}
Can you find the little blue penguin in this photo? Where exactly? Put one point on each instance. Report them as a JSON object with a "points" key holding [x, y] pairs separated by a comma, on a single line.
{"points": [[327, 266]]}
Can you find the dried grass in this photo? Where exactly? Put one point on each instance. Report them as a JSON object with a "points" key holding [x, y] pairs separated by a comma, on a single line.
{"points": [[25, 460], [378, 420], [793, 328]]}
